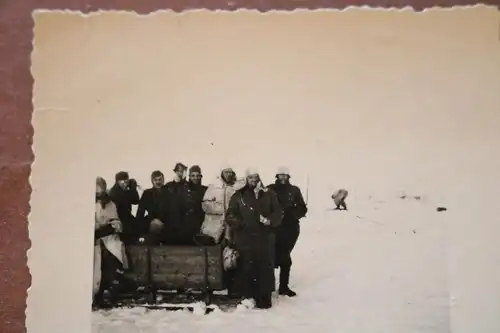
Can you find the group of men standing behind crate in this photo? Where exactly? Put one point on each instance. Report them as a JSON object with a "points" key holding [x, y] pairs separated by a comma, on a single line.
{"points": [[257, 225]]}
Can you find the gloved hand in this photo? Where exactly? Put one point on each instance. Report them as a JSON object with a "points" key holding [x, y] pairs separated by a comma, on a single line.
{"points": [[264, 220]]}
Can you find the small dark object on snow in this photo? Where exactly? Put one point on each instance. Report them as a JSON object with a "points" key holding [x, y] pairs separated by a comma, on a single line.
{"points": [[417, 197], [441, 209], [403, 197], [414, 231]]}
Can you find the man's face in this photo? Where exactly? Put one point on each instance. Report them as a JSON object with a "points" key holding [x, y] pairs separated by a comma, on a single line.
{"points": [[195, 177], [158, 181], [253, 180], [123, 184], [283, 179], [228, 175], [99, 190], [181, 173]]}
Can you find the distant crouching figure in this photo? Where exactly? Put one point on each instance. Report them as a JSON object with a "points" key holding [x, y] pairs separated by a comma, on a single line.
{"points": [[294, 208], [253, 213], [339, 198]]}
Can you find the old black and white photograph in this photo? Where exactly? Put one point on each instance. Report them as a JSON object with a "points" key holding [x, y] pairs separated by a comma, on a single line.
{"points": [[301, 171]]}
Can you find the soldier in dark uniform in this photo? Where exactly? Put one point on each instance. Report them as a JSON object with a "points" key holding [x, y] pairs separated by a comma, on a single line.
{"points": [[124, 194], [194, 214], [294, 208], [253, 214], [184, 211], [174, 206], [149, 205]]}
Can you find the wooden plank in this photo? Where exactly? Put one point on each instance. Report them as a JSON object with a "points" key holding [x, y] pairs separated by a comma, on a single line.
{"points": [[179, 254], [183, 267], [138, 263], [171, 279], [197, 260]]}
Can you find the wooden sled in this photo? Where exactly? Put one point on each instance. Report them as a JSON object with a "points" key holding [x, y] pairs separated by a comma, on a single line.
{"points": [[159, 272]]}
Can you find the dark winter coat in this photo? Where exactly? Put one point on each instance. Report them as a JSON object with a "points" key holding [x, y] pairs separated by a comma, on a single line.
{"points": [[291, 202], [194, 215], [124, 199], [253, 240], [184, 214], [149, 207]]}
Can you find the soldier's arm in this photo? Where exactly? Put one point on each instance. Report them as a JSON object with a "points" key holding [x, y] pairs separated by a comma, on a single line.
{"points": [[164, 205], [133, 195], [113, 194], [300, 206], [233, 216], [277, 212], [141, 209]]}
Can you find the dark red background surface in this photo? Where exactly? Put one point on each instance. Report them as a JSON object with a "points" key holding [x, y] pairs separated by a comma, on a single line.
{"points": [[16, 156]]}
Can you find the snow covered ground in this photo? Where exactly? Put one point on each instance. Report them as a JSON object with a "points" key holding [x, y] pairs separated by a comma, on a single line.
{"points": [[379, 267]]}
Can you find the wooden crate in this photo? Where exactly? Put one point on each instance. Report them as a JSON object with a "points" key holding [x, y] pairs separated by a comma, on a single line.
{"points": [[138, 264], [184, 267]]}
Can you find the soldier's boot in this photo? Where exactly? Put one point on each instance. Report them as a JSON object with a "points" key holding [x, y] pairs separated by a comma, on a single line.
{"points": [[264, 302], [284, 289]]}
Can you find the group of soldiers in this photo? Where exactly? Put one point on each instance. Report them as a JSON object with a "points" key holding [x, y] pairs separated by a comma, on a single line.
{"points": [[259, 223]]}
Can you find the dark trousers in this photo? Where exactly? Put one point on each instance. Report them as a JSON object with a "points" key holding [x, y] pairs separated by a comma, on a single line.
{"points": [[287, 235], [131, 230], [254, 275], [229, 282], [111, 274]]}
